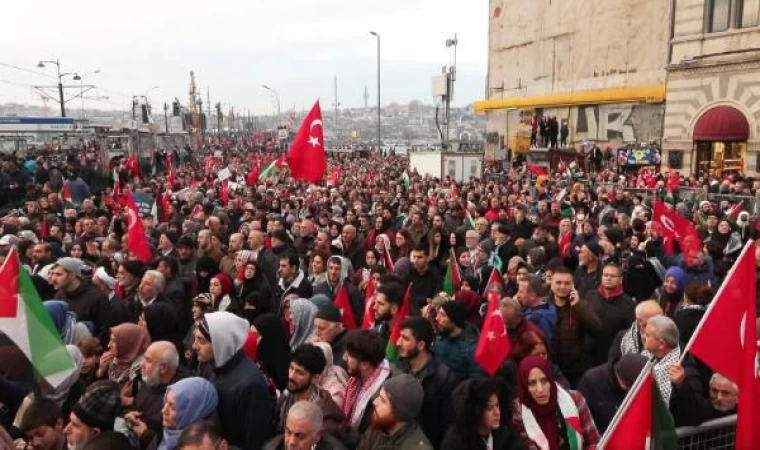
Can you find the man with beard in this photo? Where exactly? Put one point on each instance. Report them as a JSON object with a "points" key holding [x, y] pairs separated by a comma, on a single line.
{"points": [[304, 431], [307, 362], [328, 328], [388, 300], [338, 270], [187, 261], [455, 346], [93, 414], [426, 283], [159, 369], [367, 370], [393, 422], [438, 381]]}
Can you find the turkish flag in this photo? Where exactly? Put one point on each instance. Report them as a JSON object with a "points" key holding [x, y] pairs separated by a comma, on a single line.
{"points": [[368, 321], [137, 242], [344, 305], [726, 340], [307, 159], [675, 227], [133, 167], [225, 194], [493, 345], [170, 169]]}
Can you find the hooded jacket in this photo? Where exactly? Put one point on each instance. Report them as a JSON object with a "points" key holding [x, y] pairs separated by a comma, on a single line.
{"points": [[241, 386], [90, 305], [458, 353]]}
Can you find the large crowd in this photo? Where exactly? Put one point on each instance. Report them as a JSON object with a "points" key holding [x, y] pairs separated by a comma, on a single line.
{"points": [[236, 333]]}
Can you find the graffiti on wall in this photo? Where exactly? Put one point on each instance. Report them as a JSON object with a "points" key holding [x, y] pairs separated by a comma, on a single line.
{"points": [[614, 123]]}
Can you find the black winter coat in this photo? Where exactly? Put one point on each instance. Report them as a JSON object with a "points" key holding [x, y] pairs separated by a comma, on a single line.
{"points": [[602, 392], [90, 305], [437, 415], [616, 313], [245, 405], [424, 286]]}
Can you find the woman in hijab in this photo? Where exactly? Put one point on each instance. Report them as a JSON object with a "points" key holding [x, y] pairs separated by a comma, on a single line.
{"points": [[301, 321], [65, 322], [333, 379], [205, 269], [221, 290], [478, 405], [272, 349], [254, 281], [124, 357], [65, 395], [547, 416], [186, 402], [670, 293]]}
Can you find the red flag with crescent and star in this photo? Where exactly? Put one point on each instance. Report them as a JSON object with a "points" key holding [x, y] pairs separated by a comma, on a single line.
{"points": [[307, 159], [493, 345], [136, 241]]}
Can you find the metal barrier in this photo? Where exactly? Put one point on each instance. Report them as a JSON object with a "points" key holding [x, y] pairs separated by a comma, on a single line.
{"points": [[716, 434]]}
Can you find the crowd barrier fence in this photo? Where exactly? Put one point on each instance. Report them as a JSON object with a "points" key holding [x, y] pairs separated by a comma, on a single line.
{"points": [[718, 434]]}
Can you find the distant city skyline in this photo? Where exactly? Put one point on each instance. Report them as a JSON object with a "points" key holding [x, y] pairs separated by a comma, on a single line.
{"points": [[295, 47]]}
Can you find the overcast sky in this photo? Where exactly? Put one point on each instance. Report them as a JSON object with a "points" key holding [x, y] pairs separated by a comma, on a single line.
{"points": [[294, 46]]}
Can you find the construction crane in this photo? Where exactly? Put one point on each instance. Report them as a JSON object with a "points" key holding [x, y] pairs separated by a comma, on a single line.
{"points": [[195, 116]]}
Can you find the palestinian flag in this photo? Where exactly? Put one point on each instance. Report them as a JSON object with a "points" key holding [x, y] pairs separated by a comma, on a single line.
{"points": [[469, 222], [493, 284], [273, 168], [405, 180], [66, 195], [26, 322], [453, 280], [391, 350], [343, 304], [643, 421]]}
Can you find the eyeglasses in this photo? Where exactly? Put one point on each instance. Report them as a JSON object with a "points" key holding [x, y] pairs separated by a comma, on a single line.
{"points": [[610, 275]]}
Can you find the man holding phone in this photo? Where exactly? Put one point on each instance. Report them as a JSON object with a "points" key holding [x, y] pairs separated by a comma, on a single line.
{"points": [[575, 323]]}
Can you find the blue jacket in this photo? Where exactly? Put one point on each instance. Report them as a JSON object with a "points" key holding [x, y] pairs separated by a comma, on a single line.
{"points": [[458, 353], [544, 316]]}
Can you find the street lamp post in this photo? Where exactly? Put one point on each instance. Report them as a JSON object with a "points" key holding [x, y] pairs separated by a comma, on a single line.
{"points": [[451, 77], [61, 100], [81, 87], [379, 148], [277, 97]]}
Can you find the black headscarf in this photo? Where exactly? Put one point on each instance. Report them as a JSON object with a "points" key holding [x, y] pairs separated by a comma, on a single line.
{"points": [[205, 263], [273, 352]]}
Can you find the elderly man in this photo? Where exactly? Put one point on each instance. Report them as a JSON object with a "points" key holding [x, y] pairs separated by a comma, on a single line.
{"points": [[93, 414], [150, 291], [303, 430], [632, 339], [266, 261], [688, 404], [328, 328], [84, 299], [352, 248], [661, 343], [227, 265], [159, 369]]}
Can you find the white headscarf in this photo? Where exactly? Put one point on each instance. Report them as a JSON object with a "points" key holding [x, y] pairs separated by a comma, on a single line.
{"points": [[228, 334]]}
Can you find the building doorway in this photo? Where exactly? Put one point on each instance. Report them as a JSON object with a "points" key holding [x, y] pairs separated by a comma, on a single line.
{"points": [[720, 142]]}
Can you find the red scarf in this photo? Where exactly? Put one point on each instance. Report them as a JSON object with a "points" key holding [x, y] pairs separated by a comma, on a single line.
{"points": [[615, 293]]}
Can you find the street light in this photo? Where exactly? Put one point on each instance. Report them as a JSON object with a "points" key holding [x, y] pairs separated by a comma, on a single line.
{"points": [[57, 63], [81, 87], [277, 97], [373, 33], [450, 79]]}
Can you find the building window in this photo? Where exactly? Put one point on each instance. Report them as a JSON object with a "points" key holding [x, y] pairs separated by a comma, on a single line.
{"points": [[749, 14], [719, 15]]}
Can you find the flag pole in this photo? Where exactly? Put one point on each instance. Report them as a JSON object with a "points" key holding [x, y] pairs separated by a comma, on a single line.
{"points": [[712, 304], [626, 403]]}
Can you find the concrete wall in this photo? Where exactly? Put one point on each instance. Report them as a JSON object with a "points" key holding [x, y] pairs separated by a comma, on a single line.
{"points": [[540, 47]]}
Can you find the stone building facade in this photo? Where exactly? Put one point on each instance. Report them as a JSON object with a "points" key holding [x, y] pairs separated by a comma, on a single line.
{"points": [[598, 66], [713, 93]]}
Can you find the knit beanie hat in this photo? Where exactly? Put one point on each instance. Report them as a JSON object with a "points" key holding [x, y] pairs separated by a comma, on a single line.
{"points": [[629, 367], [99, 406], [329, 312], [406, 395], [134, 268], [457, 312]]}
